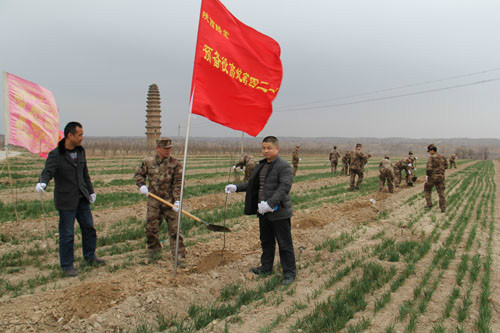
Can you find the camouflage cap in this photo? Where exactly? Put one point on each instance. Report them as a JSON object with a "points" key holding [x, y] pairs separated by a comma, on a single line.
{"points": [[410, 153], [359, 145], [164, 143], [431, 147], [297, 146], [334, 147], [386, 157]]}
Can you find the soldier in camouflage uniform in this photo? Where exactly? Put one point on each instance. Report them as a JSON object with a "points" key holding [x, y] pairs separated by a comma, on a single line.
{"points": [[405, 164], [295, 160], [386, 173], [346, 159], [248, 162], [414, 159], [165, 176], [453, 164], [435, 177], [357, 166], [334, 159]]}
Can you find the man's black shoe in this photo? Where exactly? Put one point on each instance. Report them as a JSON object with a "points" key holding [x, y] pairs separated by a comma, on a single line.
{"points": [[259, 271], [96, 261], [71, 272], [287, 280], [443, 210], [428, 207]]}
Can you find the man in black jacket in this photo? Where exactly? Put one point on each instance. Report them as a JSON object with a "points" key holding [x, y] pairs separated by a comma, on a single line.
{"points": [[268, 196], [73, 194]]}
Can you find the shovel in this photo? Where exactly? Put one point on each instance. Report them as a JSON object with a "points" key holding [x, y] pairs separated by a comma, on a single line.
{"points": [[209, 226]]}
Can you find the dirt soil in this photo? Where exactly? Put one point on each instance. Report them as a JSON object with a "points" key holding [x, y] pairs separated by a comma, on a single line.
{"points": [[103, 301]]}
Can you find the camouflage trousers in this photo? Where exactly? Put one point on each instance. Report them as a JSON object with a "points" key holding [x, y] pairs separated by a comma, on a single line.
{"points": [[345, 169], [359, 173], [334, 164], [248, 173], [453, 164], [386, 175], [440, 190], [397, 175], [155, 214], [295, 167]]}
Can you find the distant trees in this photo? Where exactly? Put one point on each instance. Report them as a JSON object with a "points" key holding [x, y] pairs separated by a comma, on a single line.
{"points": [[480, 153]]}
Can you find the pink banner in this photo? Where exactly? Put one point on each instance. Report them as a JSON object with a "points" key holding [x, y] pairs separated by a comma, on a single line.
{"points": [[33, 116]]}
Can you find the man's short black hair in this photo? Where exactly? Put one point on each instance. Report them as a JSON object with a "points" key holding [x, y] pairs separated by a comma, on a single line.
{"points": [[71, 128], [272, 139]]}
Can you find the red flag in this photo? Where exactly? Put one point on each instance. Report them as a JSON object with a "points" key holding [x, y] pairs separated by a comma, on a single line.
{"points": [[237, 71]]}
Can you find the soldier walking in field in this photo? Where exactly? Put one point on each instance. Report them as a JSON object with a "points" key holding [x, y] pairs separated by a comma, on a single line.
{"points": [[356, 168], [405, 164], [453, 164], [434, 171], [334, 159], [295, 160], [248, 162], [165, 177], [346, 159], [386, 173]]}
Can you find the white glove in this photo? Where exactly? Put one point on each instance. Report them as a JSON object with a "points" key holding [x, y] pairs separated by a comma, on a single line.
{"points": [[234, 167], [144, 190], [300, 159], [409, 164], [40, 187], [176, 206], [92, 198], [426, 178], [264, 208], [231, 188]]}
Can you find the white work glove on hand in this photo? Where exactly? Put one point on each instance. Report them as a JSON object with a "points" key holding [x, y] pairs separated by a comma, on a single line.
{"points": [[234, 167], [92, 198], [300, 159], [426, 178], [231, 188], [144, 190], [40, 187], [176, 206], [264, 208]]}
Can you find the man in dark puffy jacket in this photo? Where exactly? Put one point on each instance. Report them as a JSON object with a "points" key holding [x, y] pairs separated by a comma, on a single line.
{"points": [[268, 196], [73, 194]]}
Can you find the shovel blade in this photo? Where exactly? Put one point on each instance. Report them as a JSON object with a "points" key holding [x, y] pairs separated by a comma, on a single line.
{"points": [[217, 228]]}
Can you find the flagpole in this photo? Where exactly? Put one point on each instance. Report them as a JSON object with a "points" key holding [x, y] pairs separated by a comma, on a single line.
{"points": [[186, 141], [242, 138], [6, 106]]}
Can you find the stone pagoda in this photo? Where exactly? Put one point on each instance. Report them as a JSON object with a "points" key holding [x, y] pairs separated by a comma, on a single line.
{"points": [[153, 115]]}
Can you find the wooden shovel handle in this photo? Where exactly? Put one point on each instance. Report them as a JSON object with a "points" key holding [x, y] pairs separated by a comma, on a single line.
{"points": [[171, 206]]}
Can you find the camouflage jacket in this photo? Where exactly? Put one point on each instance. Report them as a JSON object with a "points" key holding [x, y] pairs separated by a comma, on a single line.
{"points": [[246, 161], [295, 157], [346, 158], [334, 155], [358, 160], [452, 157], [403, 164], [165, 176], [385, 164], [436, 164]]}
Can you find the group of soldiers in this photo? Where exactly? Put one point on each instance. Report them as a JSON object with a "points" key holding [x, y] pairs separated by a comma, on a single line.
{"points": [[164, 173]]}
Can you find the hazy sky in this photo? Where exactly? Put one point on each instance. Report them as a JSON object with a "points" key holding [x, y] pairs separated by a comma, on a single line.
{"points": [[98, 58]]}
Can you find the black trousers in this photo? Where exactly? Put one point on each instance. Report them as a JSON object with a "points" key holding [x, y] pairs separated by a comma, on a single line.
{"points": [[270, 232]]}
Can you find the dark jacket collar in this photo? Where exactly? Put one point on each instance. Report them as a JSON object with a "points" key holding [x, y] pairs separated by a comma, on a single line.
{"points": [[62, 148], [272, 162]]}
